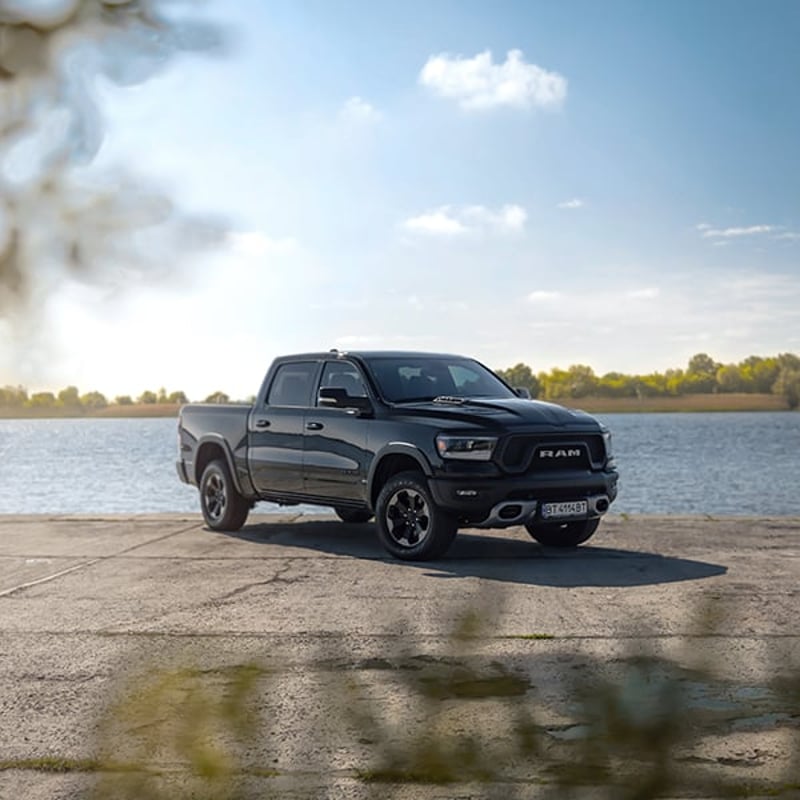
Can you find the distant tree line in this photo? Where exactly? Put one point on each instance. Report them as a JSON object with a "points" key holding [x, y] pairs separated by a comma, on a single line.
{"points": [[756, 374], [71, 399]]}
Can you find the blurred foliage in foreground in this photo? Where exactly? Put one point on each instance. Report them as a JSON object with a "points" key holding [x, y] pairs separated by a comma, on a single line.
{"points": [[460, 722], [62, 217]]}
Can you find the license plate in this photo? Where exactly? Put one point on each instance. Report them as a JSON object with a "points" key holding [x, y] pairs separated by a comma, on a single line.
{"points": [[573, 508]]}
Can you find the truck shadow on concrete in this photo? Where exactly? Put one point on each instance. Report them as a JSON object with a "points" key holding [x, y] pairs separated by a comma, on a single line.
{"points": [[506, 558]]}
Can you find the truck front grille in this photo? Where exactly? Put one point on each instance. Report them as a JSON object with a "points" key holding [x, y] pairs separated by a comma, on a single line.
{"points": [[523, 453]]}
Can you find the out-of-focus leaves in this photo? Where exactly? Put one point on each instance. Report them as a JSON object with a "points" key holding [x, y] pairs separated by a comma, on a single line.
{"points": [[59, 217]]}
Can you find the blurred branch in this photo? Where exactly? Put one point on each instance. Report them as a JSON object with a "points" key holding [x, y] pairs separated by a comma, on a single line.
{"points": [[59, 218]]}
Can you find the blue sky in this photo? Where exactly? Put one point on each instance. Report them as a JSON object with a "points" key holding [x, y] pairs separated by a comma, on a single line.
{"points": [[614, 184]]}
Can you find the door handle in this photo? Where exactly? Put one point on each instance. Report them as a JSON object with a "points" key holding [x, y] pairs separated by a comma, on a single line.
{"points": [[314, 426], [262, 423]]}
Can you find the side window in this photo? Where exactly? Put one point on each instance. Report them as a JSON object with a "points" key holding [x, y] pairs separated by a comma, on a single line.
{"points": [[343, 375], [292, 384]]}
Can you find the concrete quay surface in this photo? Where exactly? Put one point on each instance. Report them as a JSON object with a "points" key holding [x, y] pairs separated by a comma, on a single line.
{"points": [[88, 602]]}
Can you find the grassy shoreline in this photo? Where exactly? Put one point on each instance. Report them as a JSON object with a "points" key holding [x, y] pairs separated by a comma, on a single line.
{"points": [[596, 405]]}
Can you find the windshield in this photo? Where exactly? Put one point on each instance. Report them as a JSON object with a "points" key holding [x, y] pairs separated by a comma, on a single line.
{"points": [[416, 378]]}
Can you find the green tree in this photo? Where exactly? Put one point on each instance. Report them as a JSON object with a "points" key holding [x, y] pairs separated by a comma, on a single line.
{"points": [[13, 396], [94, 400], [123, 400], [42, 400], [582, 380], [521, 376], [217, 397], [674, 380], [788, 361], [69, 397], [701, 375], [615, 384], [760, 373], [702, 364], [177, 398], [730, 379], [656, 384], [788, 385], [555, 384], [147, 397]]}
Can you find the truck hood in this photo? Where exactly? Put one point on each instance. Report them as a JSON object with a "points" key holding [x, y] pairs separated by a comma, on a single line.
{"points": [[502, 413]]}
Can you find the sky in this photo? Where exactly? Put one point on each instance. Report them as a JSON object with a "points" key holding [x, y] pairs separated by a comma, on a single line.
{"points": [[614, 184]]}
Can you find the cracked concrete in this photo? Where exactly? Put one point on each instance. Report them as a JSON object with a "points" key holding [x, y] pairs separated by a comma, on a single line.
{"points": [[86, 601]]}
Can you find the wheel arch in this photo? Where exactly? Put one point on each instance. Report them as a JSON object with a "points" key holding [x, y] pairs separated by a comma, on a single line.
{"points": [[209, 449], [393, 460]]}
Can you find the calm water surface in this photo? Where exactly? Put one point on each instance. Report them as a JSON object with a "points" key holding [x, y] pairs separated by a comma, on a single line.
{"points": [[669, 464]]}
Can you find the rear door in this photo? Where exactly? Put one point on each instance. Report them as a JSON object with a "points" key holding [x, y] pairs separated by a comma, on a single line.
{"points": [[275, 434], [336, 456]]}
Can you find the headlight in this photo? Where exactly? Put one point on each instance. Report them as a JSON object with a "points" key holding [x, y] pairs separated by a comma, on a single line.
{"points": [[468, 448], [609, 449]]}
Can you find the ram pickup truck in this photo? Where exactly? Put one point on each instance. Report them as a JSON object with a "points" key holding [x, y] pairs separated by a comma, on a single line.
{"points": [[424, 443]]}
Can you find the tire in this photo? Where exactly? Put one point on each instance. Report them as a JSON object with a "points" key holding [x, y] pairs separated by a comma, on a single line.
{"points": [[562, 534], [355, 516], [224, 509], [410, 525]]}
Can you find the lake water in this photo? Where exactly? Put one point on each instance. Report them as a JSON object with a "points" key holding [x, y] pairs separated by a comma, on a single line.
{"points": [[746, 464]]}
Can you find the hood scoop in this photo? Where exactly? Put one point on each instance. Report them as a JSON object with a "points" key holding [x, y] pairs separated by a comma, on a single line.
{"points": [[449, 400]]}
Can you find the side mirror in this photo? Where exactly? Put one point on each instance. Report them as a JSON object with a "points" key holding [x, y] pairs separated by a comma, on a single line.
{"points": [[332, 397], [522, 391]]}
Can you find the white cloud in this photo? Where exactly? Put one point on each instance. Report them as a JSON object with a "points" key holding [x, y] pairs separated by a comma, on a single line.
{"points": [[356, 110], [478, 83], [732, 233], [541, 296], [643, 294], [468, 220], [576, 202], [790, 236], [703, 226], [255, 244], [436, 223]]}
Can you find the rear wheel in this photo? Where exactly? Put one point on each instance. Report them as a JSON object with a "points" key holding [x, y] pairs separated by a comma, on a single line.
{"points": [[410, 525], [354, 515], [562, 534], [224, 509]]}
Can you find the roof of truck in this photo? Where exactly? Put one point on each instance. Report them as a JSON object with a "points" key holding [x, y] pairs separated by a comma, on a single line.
{"points": [[367, 354]]}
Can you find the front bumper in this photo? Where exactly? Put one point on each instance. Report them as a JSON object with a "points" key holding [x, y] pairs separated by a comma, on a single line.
{"points": [[505, 501]]}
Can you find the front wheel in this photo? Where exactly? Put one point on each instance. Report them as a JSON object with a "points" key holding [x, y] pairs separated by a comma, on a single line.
{"points": [[224, 509], [410, 525], [562, 534]]}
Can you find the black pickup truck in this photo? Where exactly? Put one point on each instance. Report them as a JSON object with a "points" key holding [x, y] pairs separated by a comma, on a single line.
{"points": [[426, 443]]}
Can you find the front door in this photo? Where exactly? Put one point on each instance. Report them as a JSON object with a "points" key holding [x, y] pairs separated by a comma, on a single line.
{"points": [[275, 435], [336, 458]]}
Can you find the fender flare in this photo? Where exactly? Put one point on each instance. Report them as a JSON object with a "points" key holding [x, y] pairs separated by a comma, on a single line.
{"points": [[397, 449], [216, 439]]}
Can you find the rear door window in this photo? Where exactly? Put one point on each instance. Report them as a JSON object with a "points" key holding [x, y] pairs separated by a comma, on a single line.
{"points": [[292, 384]]}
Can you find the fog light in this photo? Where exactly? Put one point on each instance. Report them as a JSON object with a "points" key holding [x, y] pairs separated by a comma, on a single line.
{"points": [[466, 493], [510, 512]]}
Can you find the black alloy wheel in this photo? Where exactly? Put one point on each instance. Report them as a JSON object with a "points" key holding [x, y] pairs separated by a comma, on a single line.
{"points": [[410, 525], [224, 509]]}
